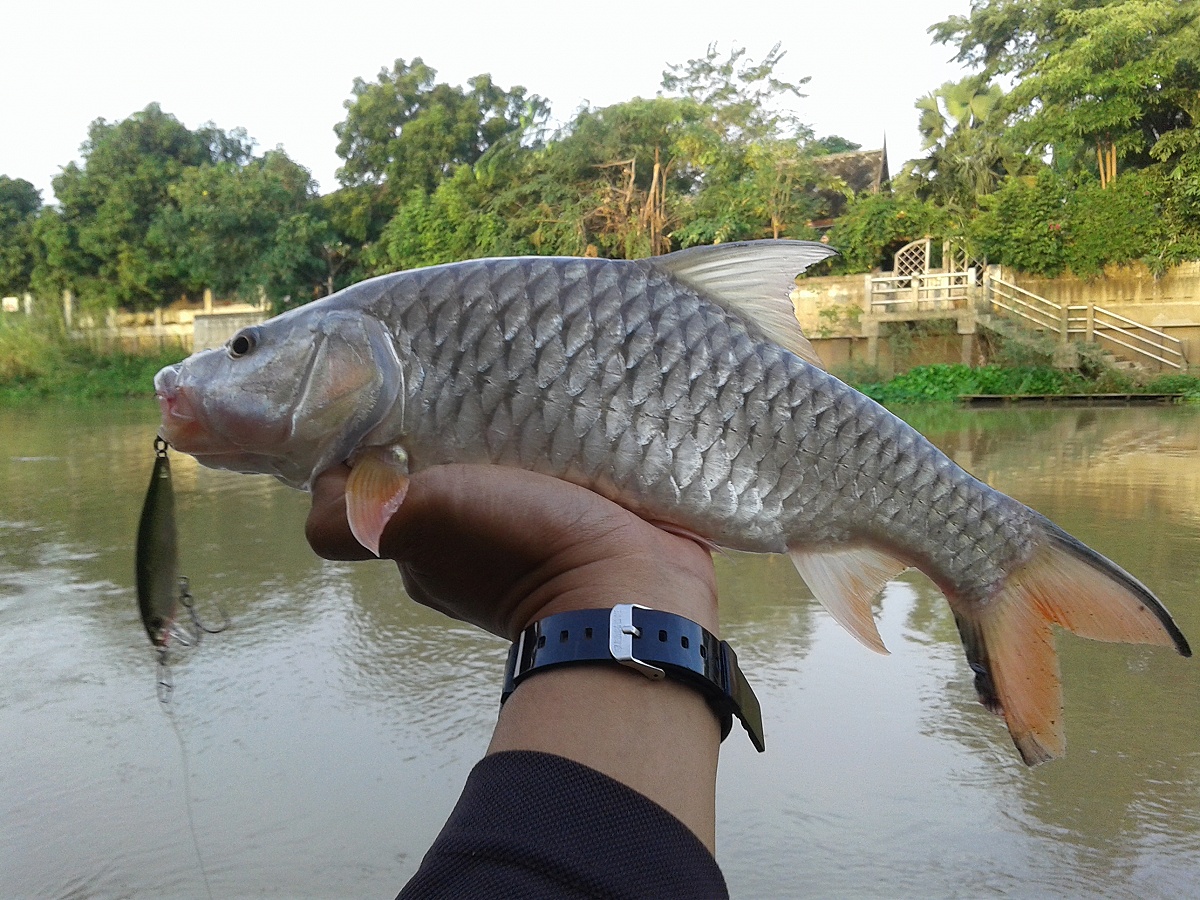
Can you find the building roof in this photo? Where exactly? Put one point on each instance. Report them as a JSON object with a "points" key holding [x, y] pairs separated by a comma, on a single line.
{"points": [[863, 171]]}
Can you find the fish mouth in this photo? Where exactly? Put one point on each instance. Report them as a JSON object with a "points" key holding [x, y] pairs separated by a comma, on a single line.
{"points": [[180, 425]]}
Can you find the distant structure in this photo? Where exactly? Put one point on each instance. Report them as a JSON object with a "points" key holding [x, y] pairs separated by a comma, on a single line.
{"points": [[863, 171]]}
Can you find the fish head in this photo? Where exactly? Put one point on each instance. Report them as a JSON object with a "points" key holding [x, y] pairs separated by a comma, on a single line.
{"points": [[289, 397]]}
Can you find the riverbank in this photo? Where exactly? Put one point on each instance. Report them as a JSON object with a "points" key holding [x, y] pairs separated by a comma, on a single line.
{"points": [[38, 364], [947, 383]]}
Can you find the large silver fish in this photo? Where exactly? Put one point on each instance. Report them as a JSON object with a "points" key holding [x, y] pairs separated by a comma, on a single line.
{"points": [[681, 387]]}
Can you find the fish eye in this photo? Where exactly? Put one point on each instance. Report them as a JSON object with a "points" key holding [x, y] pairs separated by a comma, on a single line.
{"points": [[242, 343]]}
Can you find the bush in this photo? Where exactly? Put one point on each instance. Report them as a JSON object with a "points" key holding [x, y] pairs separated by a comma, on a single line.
{"points": [[874, 226], [1054, 223], [940, 383]]}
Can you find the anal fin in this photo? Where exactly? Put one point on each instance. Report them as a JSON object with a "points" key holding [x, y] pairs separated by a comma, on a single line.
{"points": [[845, 581]]}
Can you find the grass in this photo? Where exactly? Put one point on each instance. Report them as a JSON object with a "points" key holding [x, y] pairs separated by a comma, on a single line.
{"points": [[38, 363]]}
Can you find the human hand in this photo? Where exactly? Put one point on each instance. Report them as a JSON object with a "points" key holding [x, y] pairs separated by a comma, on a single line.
{"points": [[501, 547]]}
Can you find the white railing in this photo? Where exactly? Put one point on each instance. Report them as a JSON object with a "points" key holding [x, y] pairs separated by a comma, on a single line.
{"points": [[1092, 322], [922, 291], [1138, 339], [1016, 301]]}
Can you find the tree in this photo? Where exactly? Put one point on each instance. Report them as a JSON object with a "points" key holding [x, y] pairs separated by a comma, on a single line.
{"points": [[406, 130], [221, 226], [1098, 82], [962, 125], [95, 242], [751, 154], [20, 202]]}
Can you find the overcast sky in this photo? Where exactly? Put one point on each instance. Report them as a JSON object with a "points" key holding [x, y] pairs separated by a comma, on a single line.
{"points": [[283, 70]]}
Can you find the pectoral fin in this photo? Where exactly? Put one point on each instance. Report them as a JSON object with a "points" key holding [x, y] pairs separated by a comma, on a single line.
{"points": [[846, 581], [374, 491]]}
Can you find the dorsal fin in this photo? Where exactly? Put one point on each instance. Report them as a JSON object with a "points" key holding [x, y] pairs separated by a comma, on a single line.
{"points": [[754, 281]]}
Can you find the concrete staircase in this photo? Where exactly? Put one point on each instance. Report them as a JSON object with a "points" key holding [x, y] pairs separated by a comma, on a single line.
{"points": [[1071, 335]]}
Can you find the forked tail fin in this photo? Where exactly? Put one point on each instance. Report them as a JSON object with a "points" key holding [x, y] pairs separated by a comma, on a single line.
{"points": [[1009, 642]]}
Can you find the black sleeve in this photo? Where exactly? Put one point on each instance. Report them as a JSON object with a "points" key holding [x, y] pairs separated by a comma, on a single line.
{"points": [[534, 825]]}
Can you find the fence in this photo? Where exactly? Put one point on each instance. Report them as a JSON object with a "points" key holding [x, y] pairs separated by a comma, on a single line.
{"points": [[922, 291]]}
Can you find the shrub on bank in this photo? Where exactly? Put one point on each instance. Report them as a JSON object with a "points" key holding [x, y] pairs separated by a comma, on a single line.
{"points": [[926, 384]]}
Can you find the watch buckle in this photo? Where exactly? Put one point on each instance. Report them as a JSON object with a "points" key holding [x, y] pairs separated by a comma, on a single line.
{"points": [[621, 632]]}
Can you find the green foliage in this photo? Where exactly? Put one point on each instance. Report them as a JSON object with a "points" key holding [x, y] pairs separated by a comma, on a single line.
{"points": [[26, 353], [1188, 385], [19, 206], [408, 131], [1021, 225], [221, 224], [450, 224], [1054, 223], [963, 129], [1121, 73], [942, 383], [1101, 86], [38, 362], [875, 226], [926, 384], [95, 242]]}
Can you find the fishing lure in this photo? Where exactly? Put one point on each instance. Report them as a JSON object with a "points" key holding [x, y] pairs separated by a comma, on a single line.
{"points": [[161, 591]]}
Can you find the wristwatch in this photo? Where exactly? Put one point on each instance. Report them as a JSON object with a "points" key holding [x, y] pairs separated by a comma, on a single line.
{"points": [[654, 643]]}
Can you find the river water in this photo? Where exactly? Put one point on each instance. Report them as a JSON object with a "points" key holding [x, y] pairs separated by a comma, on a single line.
{"points": [[325, 736]]}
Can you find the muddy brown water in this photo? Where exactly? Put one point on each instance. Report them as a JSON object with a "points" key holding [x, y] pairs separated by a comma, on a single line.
{"points": [[329, 731]]}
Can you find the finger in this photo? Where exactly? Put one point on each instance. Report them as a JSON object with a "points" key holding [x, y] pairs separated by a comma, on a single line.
{"points": [[327, 528]]}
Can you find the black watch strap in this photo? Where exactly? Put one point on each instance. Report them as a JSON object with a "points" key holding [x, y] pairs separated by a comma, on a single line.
{"points": [[656, 644]]}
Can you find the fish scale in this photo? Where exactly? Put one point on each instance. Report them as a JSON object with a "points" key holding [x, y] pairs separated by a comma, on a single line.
{"points": [[717, 354], [681, 388]]}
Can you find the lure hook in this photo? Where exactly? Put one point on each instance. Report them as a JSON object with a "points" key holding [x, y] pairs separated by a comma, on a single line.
{"points": [[189, 603]]}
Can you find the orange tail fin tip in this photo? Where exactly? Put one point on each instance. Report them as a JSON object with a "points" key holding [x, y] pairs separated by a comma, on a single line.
{"points": [[1010, 645]]}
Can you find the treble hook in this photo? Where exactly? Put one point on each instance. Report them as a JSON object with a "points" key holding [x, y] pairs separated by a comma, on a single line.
{"points": [[185, 598]]}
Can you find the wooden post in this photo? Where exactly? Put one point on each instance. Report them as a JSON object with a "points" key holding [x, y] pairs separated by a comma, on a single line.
{"points": [[28, 304], [68, 309], [208, 301], [158, 325], [1091, 323]]}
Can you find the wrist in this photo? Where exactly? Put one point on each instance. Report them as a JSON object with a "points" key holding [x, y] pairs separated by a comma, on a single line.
{"points": [[682, 582], [651, 643]]}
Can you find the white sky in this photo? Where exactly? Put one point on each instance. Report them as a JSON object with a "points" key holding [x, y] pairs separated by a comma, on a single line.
{"points": [[283, 70]]}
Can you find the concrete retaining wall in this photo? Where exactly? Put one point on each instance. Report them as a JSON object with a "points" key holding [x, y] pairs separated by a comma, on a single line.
{"points": [[214, 330]]}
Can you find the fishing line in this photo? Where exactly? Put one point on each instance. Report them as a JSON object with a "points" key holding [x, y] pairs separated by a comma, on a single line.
{"points": [[165, 705]]}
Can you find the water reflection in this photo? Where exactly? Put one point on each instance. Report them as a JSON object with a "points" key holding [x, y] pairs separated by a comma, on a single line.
{"points": [[330, 729]]}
